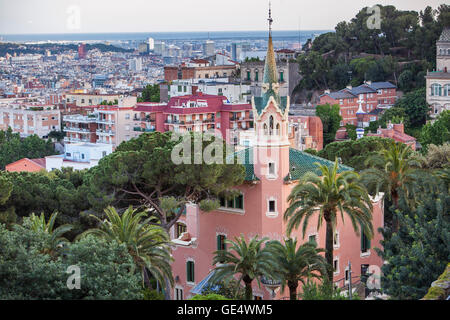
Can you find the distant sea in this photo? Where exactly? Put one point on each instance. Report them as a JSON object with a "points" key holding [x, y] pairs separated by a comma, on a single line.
{"points": [[167, 36]]}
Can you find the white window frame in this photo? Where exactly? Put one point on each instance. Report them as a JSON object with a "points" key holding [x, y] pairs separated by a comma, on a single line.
{"points": [[337, 271], [271, 214]]}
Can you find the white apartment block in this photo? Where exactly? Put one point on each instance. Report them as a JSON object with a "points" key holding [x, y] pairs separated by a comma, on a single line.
{"points": [[78, 156], [234, 92]]}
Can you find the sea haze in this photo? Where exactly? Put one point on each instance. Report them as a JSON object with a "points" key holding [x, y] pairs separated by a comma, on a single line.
{"points": [[222, 35]]}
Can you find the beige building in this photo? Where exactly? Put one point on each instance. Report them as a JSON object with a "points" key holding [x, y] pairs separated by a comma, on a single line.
{"points": [[30, 119], [438, 81], [288, 76], [88, 99]]}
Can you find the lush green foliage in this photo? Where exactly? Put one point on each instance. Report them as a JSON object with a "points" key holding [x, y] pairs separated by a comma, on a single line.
{"points": [[151, 93], [437, 132], [354, 153], [418, 253], [153, 295], [412, 109], [437, 157], [354, 53], [294, 265], [210, 296], [250, 261], [146, 243], [61, 191], [226, 289], [329, 196], [27, 272], [13, 148], [141, 173], [331, 120], [322, 291]]}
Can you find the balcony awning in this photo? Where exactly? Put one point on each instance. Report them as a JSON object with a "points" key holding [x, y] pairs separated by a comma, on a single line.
{"points": [[198, 289]]}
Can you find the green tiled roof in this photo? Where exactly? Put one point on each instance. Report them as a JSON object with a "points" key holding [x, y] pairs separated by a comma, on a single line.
{"points": [[270, 79], [300, 163], [261, 102], [304, 162]]}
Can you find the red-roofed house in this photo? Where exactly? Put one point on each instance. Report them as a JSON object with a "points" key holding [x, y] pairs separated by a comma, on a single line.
{"points": [[26, 165], [396, 132]]}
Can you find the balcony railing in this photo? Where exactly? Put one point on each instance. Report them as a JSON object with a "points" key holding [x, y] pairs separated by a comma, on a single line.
{"points": [[105, 121], [144, 119], [139, 129], [105, 132], [75, 129], [80, 119]]}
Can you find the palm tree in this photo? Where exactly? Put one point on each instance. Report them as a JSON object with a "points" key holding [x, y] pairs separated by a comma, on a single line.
{"points": [[148, 244], [56, 239], [329, 195], [392, 172], [250, 261], [294, 265]]}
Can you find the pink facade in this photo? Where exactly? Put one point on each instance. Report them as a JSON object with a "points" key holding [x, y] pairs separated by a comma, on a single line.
{"points": [[272, 170], [197, 112]]}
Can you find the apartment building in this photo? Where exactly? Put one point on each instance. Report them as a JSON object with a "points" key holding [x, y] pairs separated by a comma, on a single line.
{"points": [[288, 76], [235, 92], [438, 81], [194, 70], [199, 112], [28, 119], [78, 156], [105, 124], [89, 99]]}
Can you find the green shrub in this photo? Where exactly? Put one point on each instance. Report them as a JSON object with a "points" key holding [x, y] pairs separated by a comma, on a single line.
{"points": [[211, 296]]}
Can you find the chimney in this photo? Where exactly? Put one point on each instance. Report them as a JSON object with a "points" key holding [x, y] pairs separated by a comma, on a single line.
{"points": [[368, 82], [399, 127], [349, 87], [327, 91]]}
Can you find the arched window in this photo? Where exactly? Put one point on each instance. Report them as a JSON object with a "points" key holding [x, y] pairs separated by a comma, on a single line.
{"points": [[271, 125], [447, 90], [436, 89], [278, 128], [265, 128]]}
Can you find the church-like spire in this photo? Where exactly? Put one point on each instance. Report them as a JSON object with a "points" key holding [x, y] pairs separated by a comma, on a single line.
{"points": [[270, 68], [270, 87]]}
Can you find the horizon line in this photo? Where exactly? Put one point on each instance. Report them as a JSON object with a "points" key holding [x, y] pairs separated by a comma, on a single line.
{"points": [[131, 32]]}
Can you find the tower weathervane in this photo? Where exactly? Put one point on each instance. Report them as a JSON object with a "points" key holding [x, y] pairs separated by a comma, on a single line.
{"points": [[270, 17]]}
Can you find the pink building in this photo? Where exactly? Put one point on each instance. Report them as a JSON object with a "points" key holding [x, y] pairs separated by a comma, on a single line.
{"points": [[198, 113], [272, 170]]}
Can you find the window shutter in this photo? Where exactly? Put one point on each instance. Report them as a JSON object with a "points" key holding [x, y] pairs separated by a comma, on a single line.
{"points": [[218, 242], [188, 271]]}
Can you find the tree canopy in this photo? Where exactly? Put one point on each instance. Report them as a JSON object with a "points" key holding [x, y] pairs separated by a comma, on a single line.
{"points": [[142, 173], [13, 147]]}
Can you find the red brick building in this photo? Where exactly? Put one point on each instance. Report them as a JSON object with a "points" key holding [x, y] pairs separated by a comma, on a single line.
{"points": [[362, 99]]}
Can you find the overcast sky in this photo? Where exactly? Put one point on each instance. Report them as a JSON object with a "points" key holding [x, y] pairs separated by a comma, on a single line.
{"points": [[61, 16]]}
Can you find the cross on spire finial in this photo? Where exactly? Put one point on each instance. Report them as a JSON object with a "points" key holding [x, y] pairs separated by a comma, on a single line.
{"points": [[270, 17]]}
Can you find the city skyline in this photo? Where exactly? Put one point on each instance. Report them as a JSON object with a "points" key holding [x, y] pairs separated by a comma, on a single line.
{"points": [[102, 17]]}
